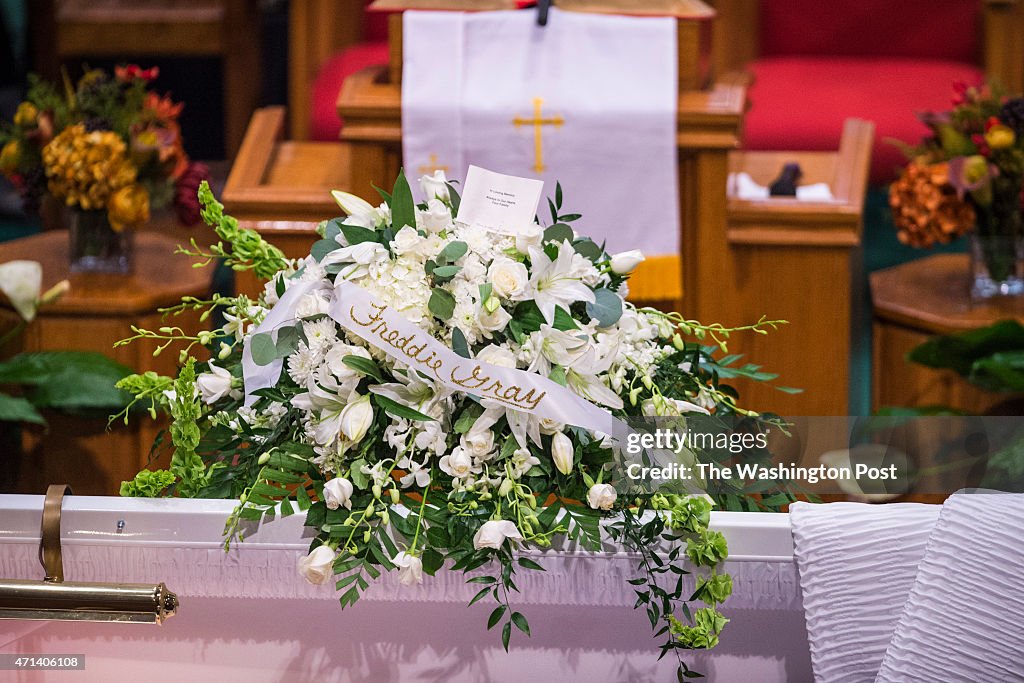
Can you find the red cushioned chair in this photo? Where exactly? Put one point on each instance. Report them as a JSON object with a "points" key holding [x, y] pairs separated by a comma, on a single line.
{"points": [[814, 64], [329, 40]]}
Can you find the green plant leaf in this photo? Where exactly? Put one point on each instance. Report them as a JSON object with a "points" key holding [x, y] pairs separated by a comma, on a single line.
{"points": [[17, 409], [322, 248], [263, 348], [363, 365], [403, 206], [453, 251], [357, 234], [563, 321], [521, 623], [559, 232], [287, 341], [496, 616], [68, 380], [959, 352], [459, 343], [607, 307], [441, 303], [446, 272], [398, 410]]}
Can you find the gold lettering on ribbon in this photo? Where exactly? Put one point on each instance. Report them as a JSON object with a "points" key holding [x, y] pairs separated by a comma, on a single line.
{"points": [[413, 348]]}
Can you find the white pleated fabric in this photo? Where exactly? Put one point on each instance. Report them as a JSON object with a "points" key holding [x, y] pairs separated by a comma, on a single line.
{"points": [[964, 617], [857, 563]]}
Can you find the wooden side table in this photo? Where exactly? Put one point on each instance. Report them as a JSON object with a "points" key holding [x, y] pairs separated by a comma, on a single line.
{"points": [[98, 311], [913, 302]]}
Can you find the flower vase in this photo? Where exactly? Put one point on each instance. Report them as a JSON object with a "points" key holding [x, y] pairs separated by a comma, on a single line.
{"points": [[95, 246]]}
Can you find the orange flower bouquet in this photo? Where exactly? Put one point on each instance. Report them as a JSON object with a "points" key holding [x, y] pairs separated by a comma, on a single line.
{"points": [[110, 150]]}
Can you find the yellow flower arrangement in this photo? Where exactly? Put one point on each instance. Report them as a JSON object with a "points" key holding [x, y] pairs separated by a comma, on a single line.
{"points": [[86, 169], [128, 207]]}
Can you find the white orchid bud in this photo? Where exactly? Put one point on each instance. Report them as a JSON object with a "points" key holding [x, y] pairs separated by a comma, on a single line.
{"points": [[625, 262], [410, 569], [562, 452], [356, 418], [494, 532]]}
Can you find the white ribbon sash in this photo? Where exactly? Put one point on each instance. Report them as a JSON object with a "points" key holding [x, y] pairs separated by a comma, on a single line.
{"points": [[361, 314]]}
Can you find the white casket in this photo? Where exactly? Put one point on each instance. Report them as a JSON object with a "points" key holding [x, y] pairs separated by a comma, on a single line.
{"points": [[247, 615]]}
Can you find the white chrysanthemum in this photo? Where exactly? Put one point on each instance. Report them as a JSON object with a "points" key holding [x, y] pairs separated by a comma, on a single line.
{"points": [[302, 364], [320, 334]]}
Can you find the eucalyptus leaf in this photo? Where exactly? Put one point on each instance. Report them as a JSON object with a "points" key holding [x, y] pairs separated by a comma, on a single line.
{"points": [[453, 251], [287, 341], [446, 272], [559, 232], [606, 308], [322, 248], [441, 303], [263, 348]]}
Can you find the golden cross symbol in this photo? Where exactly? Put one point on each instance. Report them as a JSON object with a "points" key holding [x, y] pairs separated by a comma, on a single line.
{"points": [[538, 122], [433, 166]]}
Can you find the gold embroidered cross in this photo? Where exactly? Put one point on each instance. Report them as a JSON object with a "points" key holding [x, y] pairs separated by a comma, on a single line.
{"points": [[538, 122], [433, 166]]}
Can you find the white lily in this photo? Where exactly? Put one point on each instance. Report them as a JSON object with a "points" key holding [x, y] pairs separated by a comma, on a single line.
{"points": [[360, 211], [21, 282], [552, 283]]}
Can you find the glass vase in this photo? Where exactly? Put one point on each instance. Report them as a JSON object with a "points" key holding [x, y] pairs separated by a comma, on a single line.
{"points": [[997, 265], [95, 246]]}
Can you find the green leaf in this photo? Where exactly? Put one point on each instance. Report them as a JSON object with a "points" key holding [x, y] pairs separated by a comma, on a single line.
{"points": [[403, 206], [485, 291], [496, 616], [432, 561], [446, 272], [479, 596], [521, 623], [557, 375], [959, 352], [506, 634], [383, 194], [570, 217], [357, 234], [559, 232], [68, 380], [287, 341], [263, 348], [441, 303], [558, 195], [588, 249], [453, 251], [459, 343], [607, 307], [398, 410], [530, 564], [363, 365], [563, 321], [16, 409], [456, 199], [322, 248]]}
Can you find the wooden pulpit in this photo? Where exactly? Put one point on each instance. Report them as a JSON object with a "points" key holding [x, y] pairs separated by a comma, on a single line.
{"points": [[280, 188]]}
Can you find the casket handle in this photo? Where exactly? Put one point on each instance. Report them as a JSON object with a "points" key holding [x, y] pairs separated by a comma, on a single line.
{"points": [[49, 545]]}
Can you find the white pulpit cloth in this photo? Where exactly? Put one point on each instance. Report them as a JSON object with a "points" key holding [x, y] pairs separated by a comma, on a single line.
{"points": [[857, 563], [742, 186], [589, 101], [963, 618]]}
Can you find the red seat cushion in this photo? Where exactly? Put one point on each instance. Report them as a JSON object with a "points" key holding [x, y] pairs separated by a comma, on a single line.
{"points": [[325, 124], [800, 103]]}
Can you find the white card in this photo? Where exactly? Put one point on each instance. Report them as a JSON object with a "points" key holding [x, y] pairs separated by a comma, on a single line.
{"points": [[500, 203]]}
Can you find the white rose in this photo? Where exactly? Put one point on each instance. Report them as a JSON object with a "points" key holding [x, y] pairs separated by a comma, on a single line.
{"points": [[529, 236], [356, 418], [601, 496], [21, 282], [478, 442], [437, 217], [493, 322], [494, 532], [473, 269], [562, 452], [338, 492], [435, 186], [625, 262], [457, 464], [406, 240], [318, 566], [410, 568], [314, 303], [215, 384], [508, 278], [549, 426], [497, 355]]}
